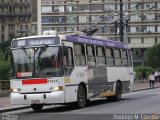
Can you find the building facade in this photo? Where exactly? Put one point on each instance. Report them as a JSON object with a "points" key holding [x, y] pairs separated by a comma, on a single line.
{"points": [[141, 30], [16, 19]]}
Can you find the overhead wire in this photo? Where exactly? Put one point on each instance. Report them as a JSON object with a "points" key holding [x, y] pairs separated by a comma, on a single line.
{"points": [[92, 31]]}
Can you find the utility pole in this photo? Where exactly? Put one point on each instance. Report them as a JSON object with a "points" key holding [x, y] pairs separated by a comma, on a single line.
{"points": [[121, 22], [115, 26], [126, 23]]}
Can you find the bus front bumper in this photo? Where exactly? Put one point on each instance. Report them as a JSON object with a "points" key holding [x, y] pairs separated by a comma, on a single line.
{"points": [[39, 98]]}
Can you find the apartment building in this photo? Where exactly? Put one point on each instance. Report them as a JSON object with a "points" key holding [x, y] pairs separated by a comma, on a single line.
{"points": [[17, 19], [143, 26]]}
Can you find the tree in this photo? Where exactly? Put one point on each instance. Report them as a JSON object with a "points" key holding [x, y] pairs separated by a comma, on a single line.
{"points": [[153, 56], [4, 65], [5, 45]]}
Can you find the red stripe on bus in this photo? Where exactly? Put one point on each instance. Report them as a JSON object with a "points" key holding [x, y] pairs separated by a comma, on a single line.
{"points": [[34, 81]]}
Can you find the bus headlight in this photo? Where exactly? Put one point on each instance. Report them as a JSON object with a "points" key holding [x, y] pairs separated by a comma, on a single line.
{"points": [[58, 88], [14, 90]]}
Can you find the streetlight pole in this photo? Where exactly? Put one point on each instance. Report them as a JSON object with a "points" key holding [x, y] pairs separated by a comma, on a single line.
{"points": [[121, 22]]}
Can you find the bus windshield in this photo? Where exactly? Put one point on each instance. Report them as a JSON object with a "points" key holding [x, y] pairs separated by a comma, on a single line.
{"points": [[36, 62]]}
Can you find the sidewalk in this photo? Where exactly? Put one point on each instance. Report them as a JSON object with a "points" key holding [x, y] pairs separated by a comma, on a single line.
{"points": [[5, 103], [144, 85]]}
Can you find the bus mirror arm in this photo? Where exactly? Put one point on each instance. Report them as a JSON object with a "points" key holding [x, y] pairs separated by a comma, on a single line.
{"points": [[65, 51]]}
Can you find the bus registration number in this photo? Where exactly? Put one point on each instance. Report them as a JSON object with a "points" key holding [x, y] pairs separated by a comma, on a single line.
{"points": [[35, 101]]}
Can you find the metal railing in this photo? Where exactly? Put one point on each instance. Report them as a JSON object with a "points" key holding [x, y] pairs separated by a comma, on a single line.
{"points": [[4, 93], [4, 88]]}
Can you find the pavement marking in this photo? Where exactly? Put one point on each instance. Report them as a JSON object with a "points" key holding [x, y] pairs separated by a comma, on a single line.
{"points": [[79, 109]]}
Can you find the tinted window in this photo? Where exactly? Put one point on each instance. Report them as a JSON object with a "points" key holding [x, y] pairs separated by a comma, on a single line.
{"points": [[124, 58], [68, 60], [117, 57], [100, 56], [109, 57], [90, 56], [79, 55]]}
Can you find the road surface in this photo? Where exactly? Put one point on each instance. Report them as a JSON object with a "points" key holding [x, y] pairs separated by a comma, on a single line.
{"points": [[135, 105]]}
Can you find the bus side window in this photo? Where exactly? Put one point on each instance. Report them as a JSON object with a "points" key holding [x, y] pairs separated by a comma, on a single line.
{"points": [[117, 57], [125, 58], [68, 60], [100, 56], [91, 56], [79, 55], [109, 57]]}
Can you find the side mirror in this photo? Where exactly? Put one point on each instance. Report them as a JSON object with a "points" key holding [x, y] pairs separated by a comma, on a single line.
{"points": [[6, 54]]}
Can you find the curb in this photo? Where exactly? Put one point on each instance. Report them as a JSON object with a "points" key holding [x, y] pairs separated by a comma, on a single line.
{"points": [[145, 89], [14, 108]]}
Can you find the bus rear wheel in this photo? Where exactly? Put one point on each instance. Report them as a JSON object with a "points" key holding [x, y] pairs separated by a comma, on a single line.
{"points": [[118, 93], [37, 107], [81, 97]]}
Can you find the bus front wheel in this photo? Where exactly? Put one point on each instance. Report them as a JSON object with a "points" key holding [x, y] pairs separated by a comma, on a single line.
{"points": [[81, 97], [37, 107]]}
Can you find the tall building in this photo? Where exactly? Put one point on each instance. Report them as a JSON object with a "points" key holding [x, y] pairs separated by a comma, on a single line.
{"points": [[34, 17], [141, 29], [16, 18]]}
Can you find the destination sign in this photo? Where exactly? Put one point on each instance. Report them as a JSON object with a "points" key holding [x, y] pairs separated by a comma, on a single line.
{"points": [[35, 42], [94, 41]]}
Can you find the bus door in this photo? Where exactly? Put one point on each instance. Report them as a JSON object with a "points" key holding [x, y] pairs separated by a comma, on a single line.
{"points": [[97, 77], [101, 69]]}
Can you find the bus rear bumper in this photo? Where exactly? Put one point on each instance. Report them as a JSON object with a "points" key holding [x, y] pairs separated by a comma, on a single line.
{"points": [[39, 98]]}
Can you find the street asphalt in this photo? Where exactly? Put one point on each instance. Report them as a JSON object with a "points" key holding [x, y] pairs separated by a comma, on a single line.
{"points": [[135, 105], [5, 105]]}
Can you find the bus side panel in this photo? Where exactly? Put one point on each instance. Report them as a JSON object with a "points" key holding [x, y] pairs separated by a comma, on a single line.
{"points": [[71, 93], [122, 74], [78, 75], [97, 81]]}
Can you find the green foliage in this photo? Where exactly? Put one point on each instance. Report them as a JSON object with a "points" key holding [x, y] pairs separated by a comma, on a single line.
{"points": [[5, 45], [4, 67], [153, 56], [140, 70]]}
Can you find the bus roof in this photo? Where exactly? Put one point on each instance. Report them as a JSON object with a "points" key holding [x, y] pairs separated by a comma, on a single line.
{"points": [[36, 36], [82, 39], [96, 41]]}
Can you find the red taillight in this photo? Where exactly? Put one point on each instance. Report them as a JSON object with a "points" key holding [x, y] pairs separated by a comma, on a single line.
{"points": [[34, 81]]}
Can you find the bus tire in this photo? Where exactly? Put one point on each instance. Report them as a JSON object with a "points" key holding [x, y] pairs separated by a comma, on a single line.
{"points": [[81, 97], [37, 107], [118, 93]]}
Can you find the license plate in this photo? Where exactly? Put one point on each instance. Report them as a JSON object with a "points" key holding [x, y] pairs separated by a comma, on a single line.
{"points": [[35, 101]]}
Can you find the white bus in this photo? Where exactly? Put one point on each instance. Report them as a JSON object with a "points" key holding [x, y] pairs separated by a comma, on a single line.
{"points": [[68, 68]]}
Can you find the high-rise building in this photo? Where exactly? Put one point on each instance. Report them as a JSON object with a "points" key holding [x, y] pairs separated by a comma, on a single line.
{"points": [[142, 29], [16, 18]]}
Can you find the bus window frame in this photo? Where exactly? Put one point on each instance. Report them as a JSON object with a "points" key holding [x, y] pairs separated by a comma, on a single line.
{"points": [[103, 56], [112, 56], [126, 58], [75, 55], [120, 57], [66, 66], [130, 61], [94, 55]]}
